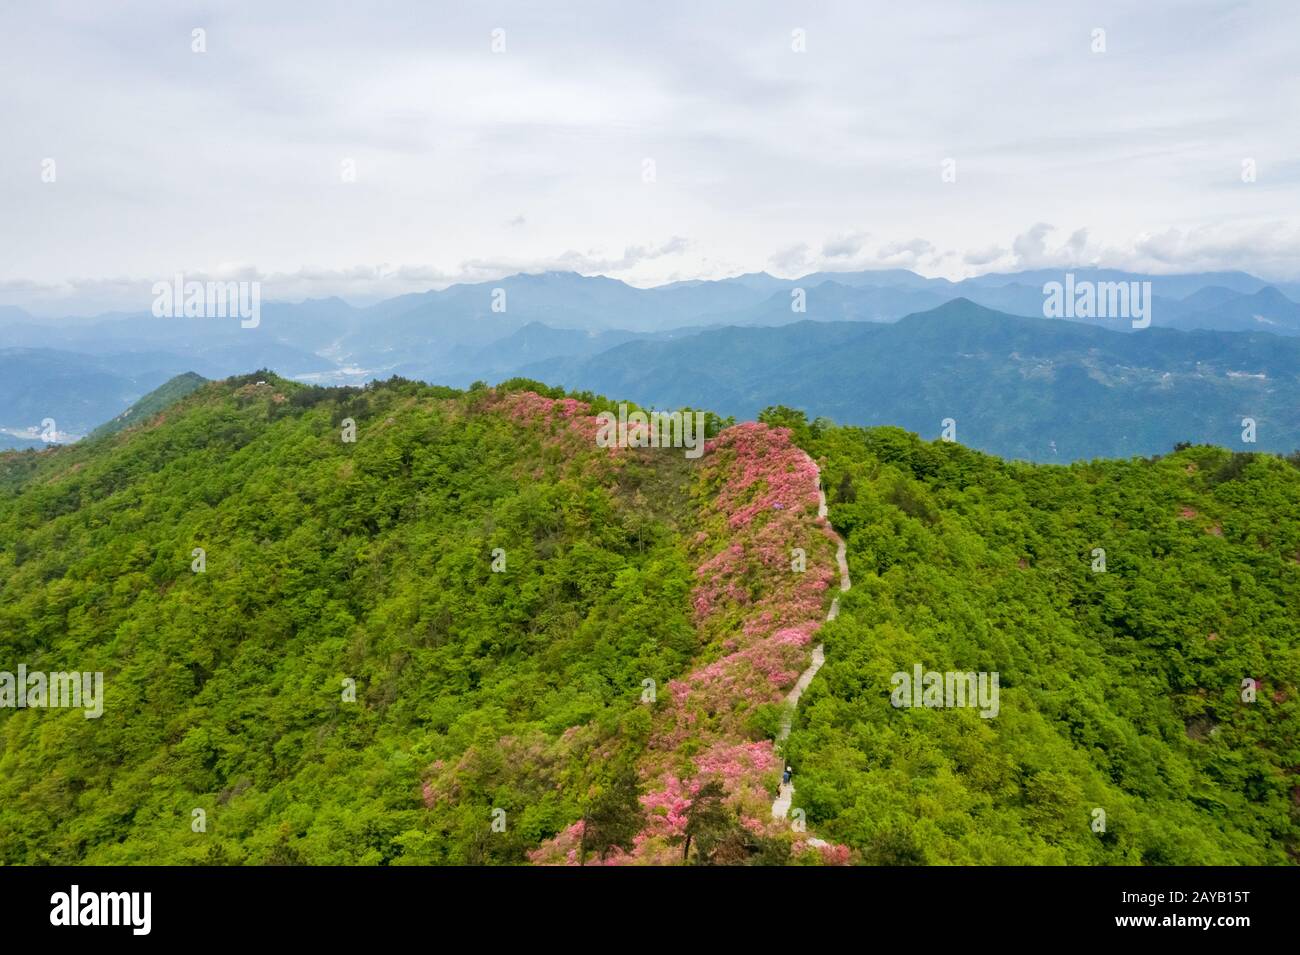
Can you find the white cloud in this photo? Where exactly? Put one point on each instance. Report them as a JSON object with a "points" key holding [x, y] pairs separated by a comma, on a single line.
{"points": [[844, 246], [357, 283], [906, 254], [985, 257], [792, 260], [471, 162]]}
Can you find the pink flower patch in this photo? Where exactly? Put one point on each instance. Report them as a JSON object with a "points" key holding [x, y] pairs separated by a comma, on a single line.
{"points": [[756, 615]]}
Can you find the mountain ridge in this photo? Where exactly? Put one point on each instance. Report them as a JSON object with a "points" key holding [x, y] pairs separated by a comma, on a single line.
{"points": [[367, 625], [456, 335], [1019, 387]]}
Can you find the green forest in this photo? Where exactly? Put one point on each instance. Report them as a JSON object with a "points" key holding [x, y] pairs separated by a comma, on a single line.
{"points": [[1122, 689], [327, 561], [405, 624]]}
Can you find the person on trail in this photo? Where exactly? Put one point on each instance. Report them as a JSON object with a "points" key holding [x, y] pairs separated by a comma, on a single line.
{"points": [[785, 776]]}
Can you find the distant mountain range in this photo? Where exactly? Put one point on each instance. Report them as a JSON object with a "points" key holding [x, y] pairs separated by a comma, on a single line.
{"points": [[572, 330], [1016, 387], [74, 390]]}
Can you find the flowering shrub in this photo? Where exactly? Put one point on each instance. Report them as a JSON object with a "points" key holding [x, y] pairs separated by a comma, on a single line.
{"points": [[827, 854], [559, 418], [755, 617], [765, 472], [528, 406]]}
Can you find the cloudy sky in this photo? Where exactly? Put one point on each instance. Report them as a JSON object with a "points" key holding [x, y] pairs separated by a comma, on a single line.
{"points": [[650, 142]]}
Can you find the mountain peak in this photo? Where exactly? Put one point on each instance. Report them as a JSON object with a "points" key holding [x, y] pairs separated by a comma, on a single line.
{"points": [[963, 308]]}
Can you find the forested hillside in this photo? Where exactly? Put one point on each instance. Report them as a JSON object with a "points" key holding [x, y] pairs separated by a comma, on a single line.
{"points": [[452, 639], [1123, 674], [472, 635], [1034, 389], [168, 393], [329, 561]]}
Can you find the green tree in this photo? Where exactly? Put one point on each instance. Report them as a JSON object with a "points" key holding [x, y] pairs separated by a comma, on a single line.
{"points": [[613, 815]]}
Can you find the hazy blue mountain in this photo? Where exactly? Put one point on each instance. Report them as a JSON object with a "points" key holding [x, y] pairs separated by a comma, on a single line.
{"points": [[287, 338], [831, 301], [690, 303], [1212, 296], [563, 300], [77, 391], [1176, 286], [879, 278], [10, 442], [888, 295], [1267, 310], [1020, 387], [873, 278], [454, 335], [10, 315], [759, 282], [1018, 299], [725, 363], [1228, 301], [498, 360]]}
